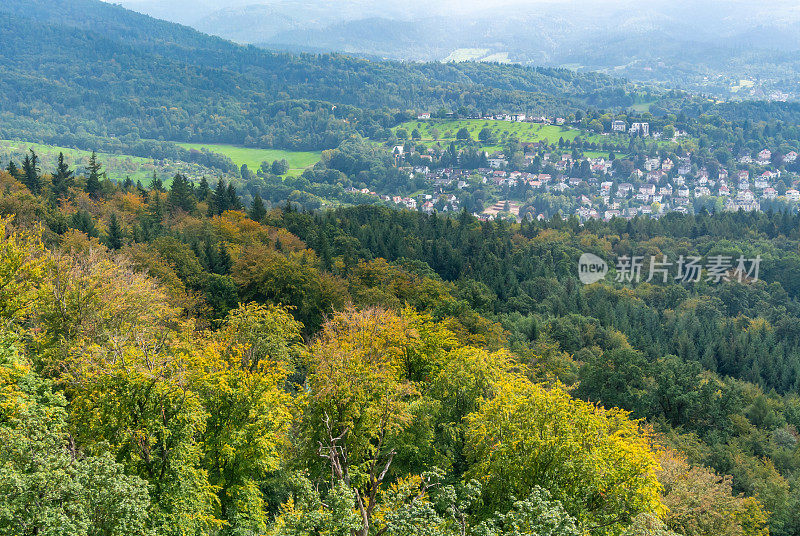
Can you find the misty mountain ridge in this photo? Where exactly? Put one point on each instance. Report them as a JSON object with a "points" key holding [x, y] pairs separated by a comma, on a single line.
{"points": [[728, 40]]}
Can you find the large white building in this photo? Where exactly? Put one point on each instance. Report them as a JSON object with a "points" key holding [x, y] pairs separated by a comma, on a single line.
{"points": [[640, 128]]}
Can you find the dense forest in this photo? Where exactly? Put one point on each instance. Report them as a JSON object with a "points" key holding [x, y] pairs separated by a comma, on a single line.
{"points": [[216, 358], [174, 362]]}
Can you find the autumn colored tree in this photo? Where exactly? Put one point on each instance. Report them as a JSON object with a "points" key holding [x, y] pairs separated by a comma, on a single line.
{"points": [[360, 398], [598, 463], [699, 502], [241, 382], [47, 486]]}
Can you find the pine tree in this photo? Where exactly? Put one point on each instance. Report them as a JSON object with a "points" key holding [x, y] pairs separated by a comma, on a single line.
{"points": [[127, 184], [115, 236], [30, 172], [203, 190], [210, 256], [62, 179], [224, 261], [257, 210], [82, 221], [93, 181], [181, 194], [13, 170], [156, 214], [233, 198], [219, 200], [155, 183]]}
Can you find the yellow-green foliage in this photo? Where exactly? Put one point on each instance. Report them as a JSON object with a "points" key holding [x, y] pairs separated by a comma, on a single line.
{"points": [[597, 462]]}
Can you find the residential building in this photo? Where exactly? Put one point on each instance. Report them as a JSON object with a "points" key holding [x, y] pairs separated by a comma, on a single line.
{"points": [[640, 128]]}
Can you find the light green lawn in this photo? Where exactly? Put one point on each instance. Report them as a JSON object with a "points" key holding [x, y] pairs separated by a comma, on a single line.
{"points": [[642, 107], [298, 160], [466, 54], [525, 132]]}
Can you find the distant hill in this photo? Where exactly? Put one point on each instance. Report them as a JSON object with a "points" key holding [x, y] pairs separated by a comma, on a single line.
{"points": [[75, 71], [248, 24], [705, 46]]}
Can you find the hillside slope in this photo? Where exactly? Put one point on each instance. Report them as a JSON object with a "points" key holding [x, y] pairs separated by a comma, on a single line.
{"points": [[81, 68]]}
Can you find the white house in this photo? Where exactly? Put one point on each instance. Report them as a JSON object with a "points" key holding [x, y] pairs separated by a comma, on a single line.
{"points": [[702, 191], [652, 163], [640, 128], [624, 188]]}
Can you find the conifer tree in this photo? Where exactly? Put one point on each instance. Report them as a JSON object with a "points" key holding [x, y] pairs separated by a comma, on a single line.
{"points": [[30, 172], [156, 211], [93, 181], [82, 221], [181, 194], [13, 170], [233, 198], [115, 235], [219, 200], [210, 256], [224, 261], [203, 190], [62, 179], [257, 210], [155, 183]]}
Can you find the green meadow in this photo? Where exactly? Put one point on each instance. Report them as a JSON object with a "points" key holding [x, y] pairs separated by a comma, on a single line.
{"points": [[642, 107], [298, 160], [116, 166], [503, 130]]}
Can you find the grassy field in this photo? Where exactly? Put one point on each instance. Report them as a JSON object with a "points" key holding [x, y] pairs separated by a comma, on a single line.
{"points": [[466, 54], [117, 166], [642, 107], [503, 130], [298, 161]]}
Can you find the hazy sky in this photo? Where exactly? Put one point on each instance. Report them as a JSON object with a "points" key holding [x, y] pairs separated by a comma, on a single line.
{"points": [[415, 7], [702, 15]]}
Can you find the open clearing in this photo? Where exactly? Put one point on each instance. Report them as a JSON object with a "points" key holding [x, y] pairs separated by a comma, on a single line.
{"points": [[298, 160], [503, 131]]}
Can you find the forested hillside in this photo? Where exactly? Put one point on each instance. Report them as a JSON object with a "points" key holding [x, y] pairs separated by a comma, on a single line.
{"points": [[207, 357], [86, 73], [173, 363]]}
